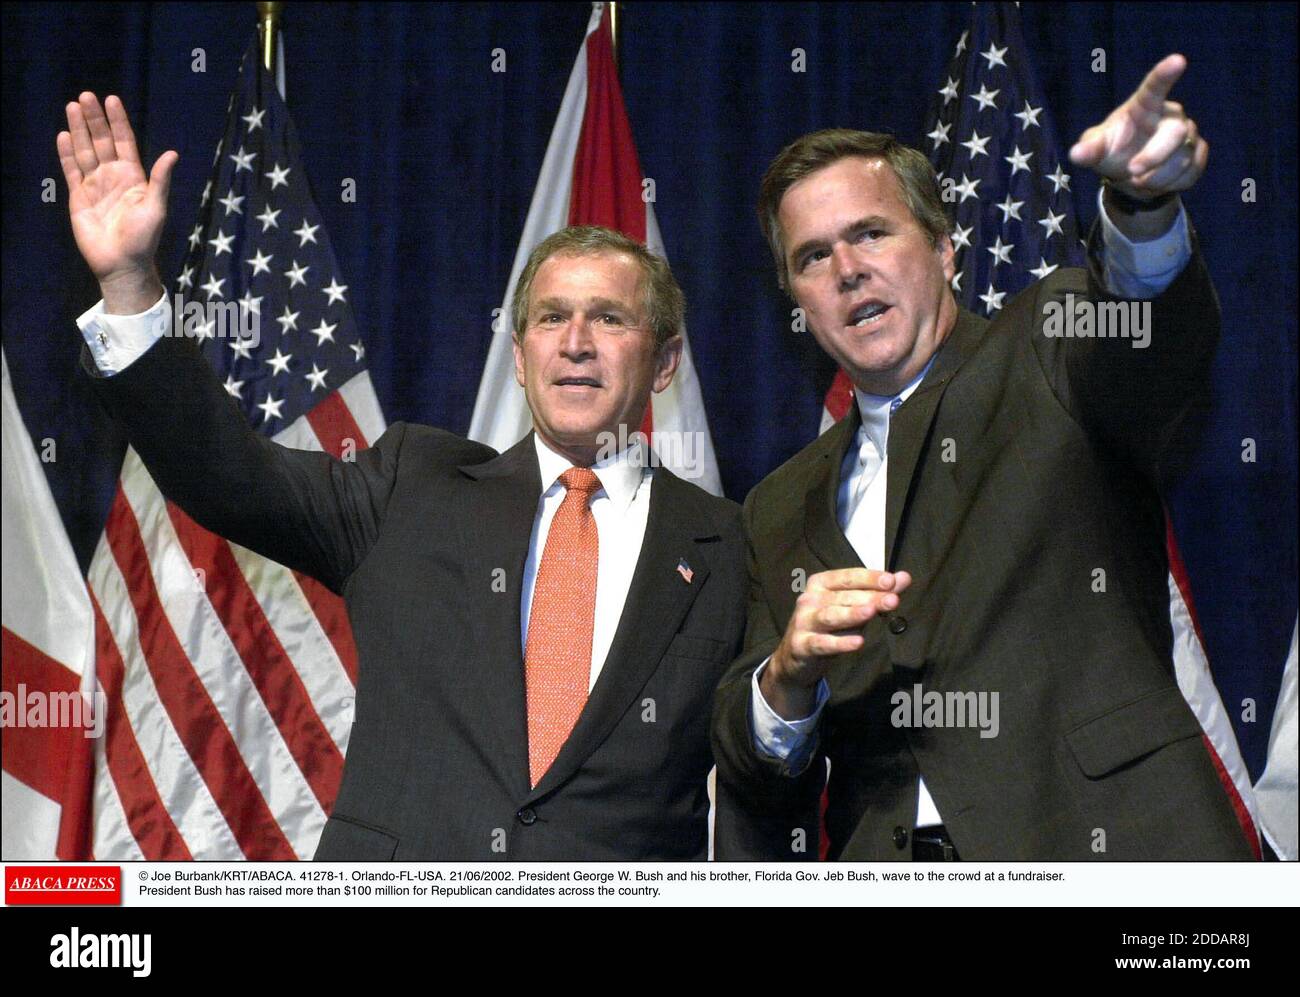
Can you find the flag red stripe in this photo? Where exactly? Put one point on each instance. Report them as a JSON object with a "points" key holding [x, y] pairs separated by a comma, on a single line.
{"points": [[606, 172], [39, 757], [331, 420], [332, 615], [150, 823], [197, 721], [265, 659]]}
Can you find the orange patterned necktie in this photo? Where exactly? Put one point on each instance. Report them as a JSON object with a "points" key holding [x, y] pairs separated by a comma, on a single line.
{"points": [[557, 655]]}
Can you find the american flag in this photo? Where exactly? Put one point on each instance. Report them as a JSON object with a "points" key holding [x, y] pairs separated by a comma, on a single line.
{"points": [[230, 679], [999, 163]]}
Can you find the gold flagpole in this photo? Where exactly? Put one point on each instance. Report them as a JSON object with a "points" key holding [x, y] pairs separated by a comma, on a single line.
{"points": [[614, 18], [268, 16]]}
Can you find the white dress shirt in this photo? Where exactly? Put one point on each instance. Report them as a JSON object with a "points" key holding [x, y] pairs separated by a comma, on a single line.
{"points": [[620, 506], [1132, 270]]}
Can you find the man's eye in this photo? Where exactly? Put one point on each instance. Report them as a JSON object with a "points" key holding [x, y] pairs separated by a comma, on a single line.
{"points": [[551, 317], [870, 234], [610, 318], [814, 256]]}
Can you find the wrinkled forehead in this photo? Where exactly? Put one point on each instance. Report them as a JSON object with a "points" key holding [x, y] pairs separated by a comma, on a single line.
{"points": [[605, 275], [839, 194]]}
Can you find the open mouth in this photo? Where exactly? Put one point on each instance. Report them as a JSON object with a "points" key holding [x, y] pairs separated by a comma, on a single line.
{"points": [[867, 314], [577, 382]]}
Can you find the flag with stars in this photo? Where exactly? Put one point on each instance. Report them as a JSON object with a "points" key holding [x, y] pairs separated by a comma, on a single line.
{"points": [[229, 678], [1000, 166]]}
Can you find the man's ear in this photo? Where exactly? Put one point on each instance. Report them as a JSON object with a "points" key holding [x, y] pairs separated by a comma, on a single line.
{"points": [[949, 258], [519, 359], [666, 361]]}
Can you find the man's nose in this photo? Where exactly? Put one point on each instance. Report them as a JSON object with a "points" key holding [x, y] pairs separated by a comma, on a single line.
{"points": [[577, 342], [849, 268]]}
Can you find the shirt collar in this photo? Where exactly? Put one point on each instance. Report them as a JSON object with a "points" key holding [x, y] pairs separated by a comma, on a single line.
{"points": [[876, 409], [620, 474]]}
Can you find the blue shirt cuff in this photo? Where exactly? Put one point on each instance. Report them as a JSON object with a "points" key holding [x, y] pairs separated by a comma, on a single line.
{"points": [[792, 741]]}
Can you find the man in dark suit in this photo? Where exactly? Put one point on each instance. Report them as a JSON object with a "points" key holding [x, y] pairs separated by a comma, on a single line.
{"points": [[539, 632], [983, 648]]}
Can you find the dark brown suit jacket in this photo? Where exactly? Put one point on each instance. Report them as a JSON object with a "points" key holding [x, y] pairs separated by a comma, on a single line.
{"points": [[1020, 469]]}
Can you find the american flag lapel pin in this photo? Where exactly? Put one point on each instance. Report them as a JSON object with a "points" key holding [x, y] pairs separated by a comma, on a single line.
{"points": [[684, 570]]}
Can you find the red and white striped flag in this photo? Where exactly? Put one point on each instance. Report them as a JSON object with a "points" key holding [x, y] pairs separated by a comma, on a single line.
{"points": [[49, 663], [591, 176]]}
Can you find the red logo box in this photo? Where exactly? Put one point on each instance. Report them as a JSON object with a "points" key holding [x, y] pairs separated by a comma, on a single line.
{"points": [[63, 884]]}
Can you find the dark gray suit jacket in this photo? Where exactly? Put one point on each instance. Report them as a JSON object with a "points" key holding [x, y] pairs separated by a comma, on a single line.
{"points": [[425, 536], [1021, 467]]}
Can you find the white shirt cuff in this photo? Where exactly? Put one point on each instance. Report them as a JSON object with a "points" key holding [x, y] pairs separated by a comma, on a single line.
{"points": [[117, 341], [792, 741], [1143, 269]]}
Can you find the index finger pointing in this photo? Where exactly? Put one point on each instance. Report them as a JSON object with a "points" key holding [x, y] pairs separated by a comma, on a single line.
{"points": [[1155, 87], [844, 579]]}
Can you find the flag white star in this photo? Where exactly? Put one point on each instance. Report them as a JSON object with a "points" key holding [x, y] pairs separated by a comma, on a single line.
{"points": [[949, 92], [186, 279], [1001, 253], [207, 193], [277, 176], [206, 330], [242, 348], [280, 362], [297, 274], [305, 233], [271, 408], [940, 134], [288, 320], [335, 292], [213, 287], [1029, 116], [1043, 269], [1059, 179], [1019, 160], [316, 377], [992, 299], [994, 55], [231, 204], [1010, 209], [233, 386], [956, 281], [967, 188], [244, 160], [1052, 223], [196, 236], [358, 349], [222, 242], [961, 43], [260, 263], [961, 237], [323, 332], [984, 98], [254, 119], [976, 144], [268, 219], [251, 303]]}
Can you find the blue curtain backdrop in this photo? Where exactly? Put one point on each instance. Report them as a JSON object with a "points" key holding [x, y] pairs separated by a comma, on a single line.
{"points": [[445, 154]]}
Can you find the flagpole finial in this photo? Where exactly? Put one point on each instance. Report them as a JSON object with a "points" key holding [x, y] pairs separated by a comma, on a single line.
{"points": [[268, 18]]}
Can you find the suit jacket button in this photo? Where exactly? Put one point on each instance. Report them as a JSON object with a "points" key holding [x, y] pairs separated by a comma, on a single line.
{"points": [[900, 838], [527, 816], [896, 626]]}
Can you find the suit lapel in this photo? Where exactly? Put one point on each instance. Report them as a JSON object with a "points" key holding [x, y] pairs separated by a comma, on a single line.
{"points": [[657, 602], [909, 427], [821, 518], [504, 505]]}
